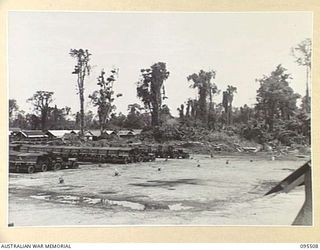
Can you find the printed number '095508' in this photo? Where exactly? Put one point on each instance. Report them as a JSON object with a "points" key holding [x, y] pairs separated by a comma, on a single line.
{"points": [[308, 245]]}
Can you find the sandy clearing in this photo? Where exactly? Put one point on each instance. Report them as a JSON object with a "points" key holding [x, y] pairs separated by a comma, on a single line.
{"points": [[181, 193]]}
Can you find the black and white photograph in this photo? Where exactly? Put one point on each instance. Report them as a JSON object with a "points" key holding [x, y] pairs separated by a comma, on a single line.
{"points": [[159, 118]]}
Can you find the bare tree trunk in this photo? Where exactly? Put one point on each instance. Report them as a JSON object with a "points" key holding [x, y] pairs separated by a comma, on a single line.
{"points": [[188, 110], [203, 106], [81, 96], [81, 68], [81, 112], [156, 104], [155, 117], [230, 115], [271, 122], [193, 110], [226, 111], [43, 120], [101, 124], [307, 91]]}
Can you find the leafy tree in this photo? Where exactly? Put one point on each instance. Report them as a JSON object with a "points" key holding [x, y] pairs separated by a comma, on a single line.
{"points": [[305, 103], [188, 107], [227, 100], [305, 125], [181, 111], [89, 119], [151, 90], [117, 121], [244, 114], [104, 97], [134, 119], [135, 108], [58, 118], [220, 116], [77, 120], [302, 54], [194, 108], [13, 107], [34, 121], [41, 101], [165, 114], [206, 90], [82, 68], [275, 98], [189, 112], [19, 121]]}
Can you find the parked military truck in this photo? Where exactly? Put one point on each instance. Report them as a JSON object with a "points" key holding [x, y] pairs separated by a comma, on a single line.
{"points": [[145, 153], [120, 155], [30, 162], [64, 155], [170, 152], [182, 153]]}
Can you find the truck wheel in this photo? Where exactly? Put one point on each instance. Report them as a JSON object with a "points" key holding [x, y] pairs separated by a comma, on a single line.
{"points": [[128, 160], [75, 165], [31, 169], [44, 167], [56, 166]]}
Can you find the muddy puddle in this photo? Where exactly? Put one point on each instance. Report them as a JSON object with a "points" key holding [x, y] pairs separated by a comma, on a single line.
{"points": [[107, 203], [169, 183]]}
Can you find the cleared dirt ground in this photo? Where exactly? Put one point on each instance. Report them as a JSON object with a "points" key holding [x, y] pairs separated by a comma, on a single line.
{"points": [[179, 193]]}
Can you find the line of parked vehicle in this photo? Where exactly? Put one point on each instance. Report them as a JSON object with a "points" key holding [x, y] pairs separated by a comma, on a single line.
{"points": [[32, 158], [30, 162]]}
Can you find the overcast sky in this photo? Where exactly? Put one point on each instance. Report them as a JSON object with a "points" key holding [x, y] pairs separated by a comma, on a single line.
{"points": [[240, 47]]}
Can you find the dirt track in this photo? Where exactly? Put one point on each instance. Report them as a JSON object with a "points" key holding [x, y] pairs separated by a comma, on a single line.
{"points": [[181, 193]]}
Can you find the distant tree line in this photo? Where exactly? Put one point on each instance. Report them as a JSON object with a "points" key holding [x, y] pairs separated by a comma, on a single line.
{"points": [[275, 109]]}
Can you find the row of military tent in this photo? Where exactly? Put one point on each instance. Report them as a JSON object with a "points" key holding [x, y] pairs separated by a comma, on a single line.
{"points": [[38, 135]]}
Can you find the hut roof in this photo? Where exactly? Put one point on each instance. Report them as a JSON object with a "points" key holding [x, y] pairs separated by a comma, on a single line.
{"points": [[14, 130], [59, 133], [33, 134], [137, 131], [125, 132], [109, 132], [95, 132]]}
